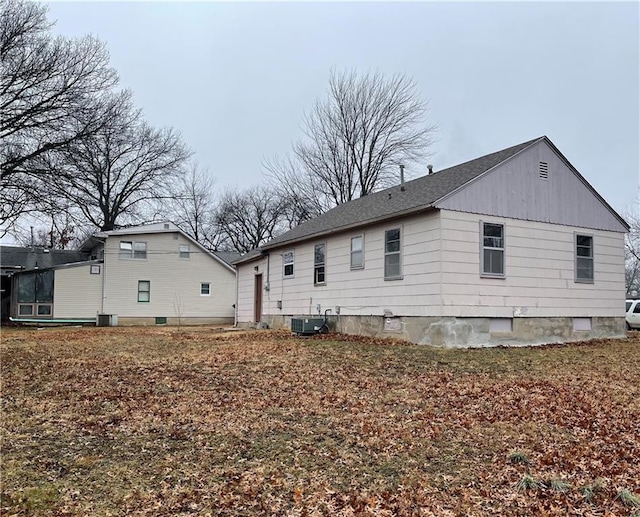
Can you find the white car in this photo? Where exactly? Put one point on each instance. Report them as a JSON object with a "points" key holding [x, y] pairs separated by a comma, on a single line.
{"points": [[633, 314]]}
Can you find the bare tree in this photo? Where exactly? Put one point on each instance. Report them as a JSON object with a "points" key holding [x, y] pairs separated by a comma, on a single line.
{"points": [[249, 218], [193, 207], [51, 89], [112, 174], [355, 139], [632, 256]]}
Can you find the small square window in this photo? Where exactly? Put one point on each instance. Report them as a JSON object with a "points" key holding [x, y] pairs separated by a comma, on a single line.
{"points": [[184, 251], [95, 270], [144, 291], [205, 289], [25, 310], [44, 310]]}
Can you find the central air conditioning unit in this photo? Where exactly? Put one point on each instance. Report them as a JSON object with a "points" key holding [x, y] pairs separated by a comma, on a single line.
{"points": [[307, 325]]}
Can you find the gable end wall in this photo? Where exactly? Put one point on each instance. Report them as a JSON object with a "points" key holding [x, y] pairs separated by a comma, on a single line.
{"points": [[515, 189]]}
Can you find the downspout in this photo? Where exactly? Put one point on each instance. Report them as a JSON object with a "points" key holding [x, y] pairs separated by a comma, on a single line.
{"points": [[104, 283], [235, 305]]}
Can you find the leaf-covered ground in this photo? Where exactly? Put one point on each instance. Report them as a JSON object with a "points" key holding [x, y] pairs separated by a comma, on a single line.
{"points": [[162, 421]]}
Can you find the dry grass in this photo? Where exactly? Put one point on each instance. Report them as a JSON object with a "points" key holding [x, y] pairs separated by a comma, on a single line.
{"points": [[156, 421]]}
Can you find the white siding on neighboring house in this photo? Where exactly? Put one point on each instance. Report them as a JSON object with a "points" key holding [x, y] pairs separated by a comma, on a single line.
{"points": [[520, 189], [246, 285], [175, 283], [359, 291], [539, 271], [77, 292]]}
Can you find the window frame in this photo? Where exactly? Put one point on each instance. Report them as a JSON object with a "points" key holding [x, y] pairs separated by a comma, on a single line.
{"points": [[285, 264], [361, 251], [208, 284], [399, 276], [483, 248], [578, 257], [132, 252], [184, 253], [320, 268], [147, 291]]}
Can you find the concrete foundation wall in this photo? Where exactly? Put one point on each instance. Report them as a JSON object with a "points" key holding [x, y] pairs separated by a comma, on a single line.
{"points": [[452, 332], [130, 322]]}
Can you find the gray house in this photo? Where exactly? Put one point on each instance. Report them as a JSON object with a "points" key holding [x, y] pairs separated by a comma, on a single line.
{"points": [[514, 247]]}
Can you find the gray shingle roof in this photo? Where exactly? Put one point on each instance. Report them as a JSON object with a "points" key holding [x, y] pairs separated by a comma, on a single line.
{"points": [[30, 258], [228, 256], [419, 194]]}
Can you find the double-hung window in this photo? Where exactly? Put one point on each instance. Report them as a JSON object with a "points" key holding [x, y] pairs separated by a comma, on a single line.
{"points": [[205, 289], [319, 257], [184, 251], [133, 250], [584, 258], [287, 264], [144, 291], [357, 252], [492, 249], [392, 254]]}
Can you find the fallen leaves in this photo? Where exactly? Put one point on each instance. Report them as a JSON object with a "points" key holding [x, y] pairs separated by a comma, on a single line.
{"points": [[162, 421]]}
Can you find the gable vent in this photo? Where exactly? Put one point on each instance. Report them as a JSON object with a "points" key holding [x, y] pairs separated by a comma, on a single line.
{"points": [[544, 171]]}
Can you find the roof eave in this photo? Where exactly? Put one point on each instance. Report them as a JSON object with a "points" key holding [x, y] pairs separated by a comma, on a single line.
{"points": [[359, 224]]}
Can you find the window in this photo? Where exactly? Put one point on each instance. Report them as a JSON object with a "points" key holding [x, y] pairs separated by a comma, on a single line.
{"points": [[492, 249], [318, 264], [392, 245], [184, 251], [357, 252], [144, 290], [36, 287], [44, 310], [636, 309], [25, 310], [205, 289], [584, 258], [135, 250], [287, 260]]}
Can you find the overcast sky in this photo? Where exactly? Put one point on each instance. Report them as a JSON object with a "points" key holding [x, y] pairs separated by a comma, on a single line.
{"points": [[236, 78]]}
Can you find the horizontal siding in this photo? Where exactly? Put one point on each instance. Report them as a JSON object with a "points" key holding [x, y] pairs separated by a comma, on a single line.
{"points": [[175, 281], [246, 286], [77, 293], [515, 190], [360, 291], [539, 266]]}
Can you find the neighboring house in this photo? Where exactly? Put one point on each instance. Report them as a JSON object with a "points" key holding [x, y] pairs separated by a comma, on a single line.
{"points": [[514, 247], [142, 275]]}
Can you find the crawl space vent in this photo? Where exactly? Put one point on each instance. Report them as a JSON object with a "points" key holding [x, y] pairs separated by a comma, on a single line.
{"points": [[544, 171]]}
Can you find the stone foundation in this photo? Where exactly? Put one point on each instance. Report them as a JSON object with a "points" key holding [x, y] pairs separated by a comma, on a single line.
{"points": [[453, 332]]}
